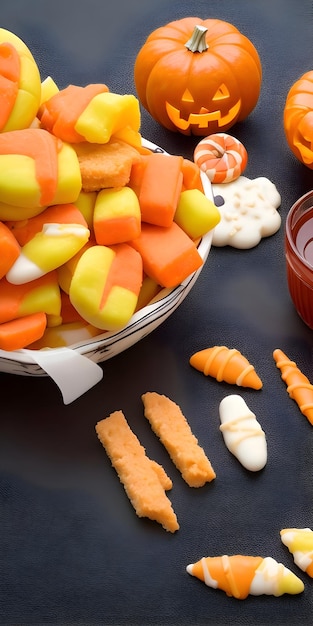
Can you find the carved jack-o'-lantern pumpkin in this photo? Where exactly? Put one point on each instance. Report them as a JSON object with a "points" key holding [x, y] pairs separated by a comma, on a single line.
{"points": [[298, 119], [198, 76]]}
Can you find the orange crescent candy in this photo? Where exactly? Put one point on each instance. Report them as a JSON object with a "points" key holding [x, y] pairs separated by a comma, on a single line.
{"points": [[299, 387], [226, 364], [222, 157]]}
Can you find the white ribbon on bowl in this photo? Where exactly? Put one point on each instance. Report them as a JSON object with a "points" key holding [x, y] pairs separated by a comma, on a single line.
{"points": [[72, 372]]}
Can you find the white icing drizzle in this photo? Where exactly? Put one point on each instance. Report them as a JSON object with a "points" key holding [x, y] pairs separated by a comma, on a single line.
{"points": [[243, 431], [209, 581]]}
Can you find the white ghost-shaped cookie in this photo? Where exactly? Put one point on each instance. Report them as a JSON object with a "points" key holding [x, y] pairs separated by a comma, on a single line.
{"points": [[248, 209]]}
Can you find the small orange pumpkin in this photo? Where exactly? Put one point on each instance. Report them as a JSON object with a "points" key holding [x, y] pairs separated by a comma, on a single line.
{"points": [[198, 76], [298, 119]]}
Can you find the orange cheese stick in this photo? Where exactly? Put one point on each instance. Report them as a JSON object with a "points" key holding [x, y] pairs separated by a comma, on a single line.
{"points": [[169, 255], [59, 114], [226, 364], [42, 294], [20, 332], [171, 426], [25, 230], [241, 575], [9, 247], [144, 480], [160, 188], [299, 387]]}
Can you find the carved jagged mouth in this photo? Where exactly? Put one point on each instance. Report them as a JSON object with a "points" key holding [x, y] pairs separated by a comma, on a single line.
{"points": [[202, 119]]}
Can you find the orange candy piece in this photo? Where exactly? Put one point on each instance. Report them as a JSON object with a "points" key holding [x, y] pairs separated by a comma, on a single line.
{"points": [[9, 247], [20, 332], [169, 255], [299, 387], [226, 364], [160, 188]]}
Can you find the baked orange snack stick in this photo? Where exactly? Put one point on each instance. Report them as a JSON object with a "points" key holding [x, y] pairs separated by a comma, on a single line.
{"points": [[241, 575], [161, 185], [168, 254], [42, 294], [19, 333], [144, 480], [299, 542], [117, 216], [9, 247], [299, 387], [105, 285], [170, 425], [227, 365]]}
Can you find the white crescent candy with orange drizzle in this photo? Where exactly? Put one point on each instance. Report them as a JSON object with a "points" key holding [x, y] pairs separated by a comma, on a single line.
{"points": [[242, 433], [221, 157]]}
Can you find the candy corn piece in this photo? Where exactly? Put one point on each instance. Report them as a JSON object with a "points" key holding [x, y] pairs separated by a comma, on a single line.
{"points": [[299, 387], [299, 541], [36, 170], [117, 216], [47, 250], [38, 295], [25, 230], [240, 576], [105, 285], [89, 113], [20, 84], [242, 433], [9, 247], [226, 364]]}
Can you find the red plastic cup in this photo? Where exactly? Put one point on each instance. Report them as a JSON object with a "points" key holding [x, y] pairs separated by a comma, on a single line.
{"points": [[299, 256]]}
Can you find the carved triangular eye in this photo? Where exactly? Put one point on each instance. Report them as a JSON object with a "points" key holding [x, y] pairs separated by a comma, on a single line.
{"points": [[187, 97], [221, 93]]}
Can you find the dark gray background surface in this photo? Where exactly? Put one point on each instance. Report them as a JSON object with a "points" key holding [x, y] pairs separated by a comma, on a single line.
{"points": [[72, 551]]}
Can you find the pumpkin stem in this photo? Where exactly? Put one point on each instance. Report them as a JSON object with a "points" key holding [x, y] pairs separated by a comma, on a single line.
{"points": [[197, 42]]}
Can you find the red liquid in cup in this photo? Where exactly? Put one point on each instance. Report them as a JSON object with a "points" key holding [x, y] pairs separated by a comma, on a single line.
{"points": [[299, 256]]}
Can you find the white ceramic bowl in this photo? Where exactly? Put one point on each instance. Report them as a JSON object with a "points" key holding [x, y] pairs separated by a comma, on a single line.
{"points": [[54, 362]]}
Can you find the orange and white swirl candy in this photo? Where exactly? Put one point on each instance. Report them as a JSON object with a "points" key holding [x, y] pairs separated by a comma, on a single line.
{"points": [[221, 157]]}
